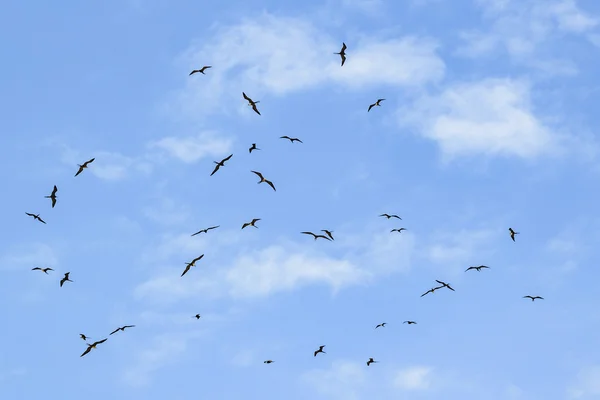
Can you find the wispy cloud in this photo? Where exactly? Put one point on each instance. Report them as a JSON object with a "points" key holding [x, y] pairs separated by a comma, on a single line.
{"points": [[344, 380], [191, 149], [414, 378], [29, 255], [587, 384]]}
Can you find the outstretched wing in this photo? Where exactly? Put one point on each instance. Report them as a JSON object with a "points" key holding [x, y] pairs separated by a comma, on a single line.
{"points": [[216, 169], [371, 106], [86, 351], [271, 184], [115, 331], [259, 174], [255, 109], [187, 268], [80, 170]]}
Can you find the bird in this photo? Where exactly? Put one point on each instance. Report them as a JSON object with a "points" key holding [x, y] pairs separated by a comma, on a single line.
{"points": [[122, 328], [381, 325], [84, 165], [291, 139], [53, 196], [253, 148], [92, 346], [409, 322], [36, 216], [220, 164], [533, 297], [315, 235], [388, 216], [371, 361], [431, 290], [512, 234], [201, 70], [191, 264], [65, 279], [262, 179], [377, 103], [44, 270], [477, 268], [205, 230], [268, 361], [328, 233], [81, 335], [320, 350], [251, 223], [444, 284], [399, 230], [251, 103], [197, 316], [342, 53]]}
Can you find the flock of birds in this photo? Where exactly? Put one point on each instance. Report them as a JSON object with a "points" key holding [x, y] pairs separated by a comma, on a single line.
{"points": [[327, 234]]}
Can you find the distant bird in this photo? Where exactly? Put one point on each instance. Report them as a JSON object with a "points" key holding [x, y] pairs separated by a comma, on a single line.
{"points": [[328, 233], [221, 163], [477, 268], [122, 328], [253, 148], [409, 322], [342, 53], [201, 70], [371, 361], [444, 284], [399, 230], [315, 235], [197, 316], [44, 270], [65, 279], [320, 350], [533, 297], [84, 165], [268, 361], [262, 179], [251, 103], [383, 324], [205, 230], [377, 103], [191, 264], [53, 196], [92, 346], [291, 139], [251, 223], [512, 234], [36, 216], [81, 335], [388, 216], [431, 290]]}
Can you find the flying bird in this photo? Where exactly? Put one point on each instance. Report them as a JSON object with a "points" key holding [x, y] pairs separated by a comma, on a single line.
{"points": [[92, 346], [444, 284], [383, 324], [191, 264], [512, 234], [36, 216], [268, 361], [388, 216], [377, 103], [201, 70], [251, 223], [220, 164], [399, 230], [533, 297], [205, 230], [197, 316], [262, 179], [122, 328], [81, 335], [328, 233], [44, 270], [291, 139], [253, 148], [320, 350], [477, 268], [84, 165], [431, 290], [409, 322], [65, 279], [315, 235], [371, 361], [53, 196], [342, 53], [251, 103]]}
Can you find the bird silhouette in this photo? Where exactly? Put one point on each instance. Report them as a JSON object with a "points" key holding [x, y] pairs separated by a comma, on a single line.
{"points": [[251, 103], [197, 316], [371, 361], [191, 264], [431, 290], [220, 164], [315, 235], [92, 346], [320, 350], [65, 279], [262, 179], [533, 297], [477, 268], [36, 216], [342, 53], [205, 230], [383, 324], [328, 233], [399, 230], [44, 270], [388, 216], [512, 234], [122, 328], [291, 139], [253, 148], [251, 223], [377, 103], [81, 335], [444, 284], [84, 166], [53, 196], [201, 70], [268, 361], [409, 322]]}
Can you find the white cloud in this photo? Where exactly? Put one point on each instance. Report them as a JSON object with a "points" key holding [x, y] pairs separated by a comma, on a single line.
{"points": [[490, 117], [167, 212], [343, 380], [29, 255], [587, 384], [413, 378], [193, 148]]}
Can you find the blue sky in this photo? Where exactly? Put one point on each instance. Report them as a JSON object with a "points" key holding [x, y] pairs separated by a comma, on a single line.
{"points": [[488, 123]]}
